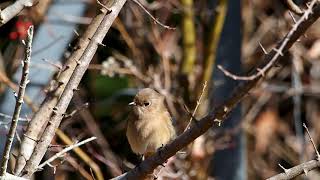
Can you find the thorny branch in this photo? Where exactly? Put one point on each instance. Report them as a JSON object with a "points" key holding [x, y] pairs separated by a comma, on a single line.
{"points": [[278, 51], [71, 86], [19, 101], [41, 117], [220, 113], [301, 168]]}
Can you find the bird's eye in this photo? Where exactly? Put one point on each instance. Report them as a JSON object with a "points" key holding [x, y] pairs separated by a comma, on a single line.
{"points": [[146, 104]]}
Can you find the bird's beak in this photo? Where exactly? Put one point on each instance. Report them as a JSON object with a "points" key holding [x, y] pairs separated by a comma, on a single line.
{"points": [[132, 104]]}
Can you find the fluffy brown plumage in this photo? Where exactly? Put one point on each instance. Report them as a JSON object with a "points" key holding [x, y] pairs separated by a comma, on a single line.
{"points": [[149, 124]]}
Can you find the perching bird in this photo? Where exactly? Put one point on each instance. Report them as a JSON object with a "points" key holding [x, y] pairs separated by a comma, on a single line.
{"points": [[149, 125]]}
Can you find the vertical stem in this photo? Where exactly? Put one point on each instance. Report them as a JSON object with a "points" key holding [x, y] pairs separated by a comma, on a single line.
{"points": [[19, 101], [214, 37], [188, 36]]}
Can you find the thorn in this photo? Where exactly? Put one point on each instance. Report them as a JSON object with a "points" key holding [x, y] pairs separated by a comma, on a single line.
{"points": [[15, 94], [225, 109], [78, 62], [76, 33], [278, 51], [261, 72], [23, 42], [292, 17], [60, 83], [55, 110], [101, 44], [263, 49], [58, 66], [305, 171], [218, 121], [284, 169], [66, 67], [105, 7]]}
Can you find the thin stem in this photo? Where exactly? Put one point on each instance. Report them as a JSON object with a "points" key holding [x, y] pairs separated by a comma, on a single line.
{"points": [[65, 150], [19, 101]]}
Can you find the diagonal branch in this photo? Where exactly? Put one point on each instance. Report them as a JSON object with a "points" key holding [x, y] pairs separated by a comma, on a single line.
{"points": [[14, 9], [65, 150], [71, 86], [19, 101], [296, 170], [301, 168], [42, 116], [220, 113], [279, 51]]}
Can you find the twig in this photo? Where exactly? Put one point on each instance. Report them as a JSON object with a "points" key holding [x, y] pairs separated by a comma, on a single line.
{"points": [[278, 51], [19, 101], [82, 155], [302, 168], [153, 18], [57, 66], [104, 6], [263, 49], [214, 38], [148, 165], [65, 150], [10, 117], [296, 170], [72, 84], [95, 130], [92, 175], [196, 108], [313, 144], [14, 9]]}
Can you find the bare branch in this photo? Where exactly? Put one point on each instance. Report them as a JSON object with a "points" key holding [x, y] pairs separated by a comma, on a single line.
{"points": [[73, 83], [198, 103], [153, 18], [311, 140], [65, 150], [19, 101], [41, 117], [296, 170], [220, 112], [14, 9], [276, 52], [302, 168]]}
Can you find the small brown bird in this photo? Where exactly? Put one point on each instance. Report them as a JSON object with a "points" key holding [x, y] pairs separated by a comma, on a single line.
{"points": [[149, 124]]}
